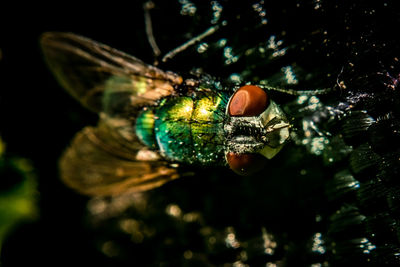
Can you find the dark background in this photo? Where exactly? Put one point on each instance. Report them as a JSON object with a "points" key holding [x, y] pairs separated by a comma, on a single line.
{"points": [[38, 119]]}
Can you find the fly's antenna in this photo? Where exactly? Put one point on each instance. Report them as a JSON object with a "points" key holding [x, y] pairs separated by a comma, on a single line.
{"points": [[149, 30], [191, 42]]}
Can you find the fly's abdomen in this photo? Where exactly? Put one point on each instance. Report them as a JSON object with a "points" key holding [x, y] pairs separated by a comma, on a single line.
{"points": [[145, 128], [186, 130]]}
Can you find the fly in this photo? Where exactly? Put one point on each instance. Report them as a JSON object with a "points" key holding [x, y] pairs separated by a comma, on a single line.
{"points": [[151, 120]]}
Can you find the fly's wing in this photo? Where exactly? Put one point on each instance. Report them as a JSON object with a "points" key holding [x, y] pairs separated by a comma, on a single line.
{"points": [[98, 163], [84, 68], [108, 159]]}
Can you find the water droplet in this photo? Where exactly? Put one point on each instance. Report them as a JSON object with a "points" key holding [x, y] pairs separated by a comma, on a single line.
{"points": [[201, 48], [222, 42], [236, 78]]}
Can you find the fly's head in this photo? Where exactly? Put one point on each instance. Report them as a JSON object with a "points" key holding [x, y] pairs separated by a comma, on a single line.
{"points": [[256, 129]]}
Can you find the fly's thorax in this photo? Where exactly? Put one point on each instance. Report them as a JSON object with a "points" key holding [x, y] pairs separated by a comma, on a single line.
{"points": [[187, 129]]}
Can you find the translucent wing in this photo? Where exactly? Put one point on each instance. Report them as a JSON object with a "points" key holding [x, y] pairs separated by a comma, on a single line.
{"points": [[108, 159], [98, 164], [86, 68]]}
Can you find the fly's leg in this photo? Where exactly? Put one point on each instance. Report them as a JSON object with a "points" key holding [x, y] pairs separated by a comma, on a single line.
{"points": [[321, 91], [149, 29], [150, 36], [191, 42], [340, 85]]}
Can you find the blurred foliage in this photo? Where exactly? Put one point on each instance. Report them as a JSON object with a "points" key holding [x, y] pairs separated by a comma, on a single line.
{"points": [[18, 193]]}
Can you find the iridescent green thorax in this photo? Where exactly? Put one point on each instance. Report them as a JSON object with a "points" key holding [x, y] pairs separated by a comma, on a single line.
{"points": [[187, 129]]}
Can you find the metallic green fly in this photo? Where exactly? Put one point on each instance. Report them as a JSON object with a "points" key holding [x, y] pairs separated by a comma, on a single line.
{"points": [[151, 120]]}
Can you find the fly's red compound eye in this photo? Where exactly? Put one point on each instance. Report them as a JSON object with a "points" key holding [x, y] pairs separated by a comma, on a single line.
{"points": [[245, 164], [249, 100]]}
